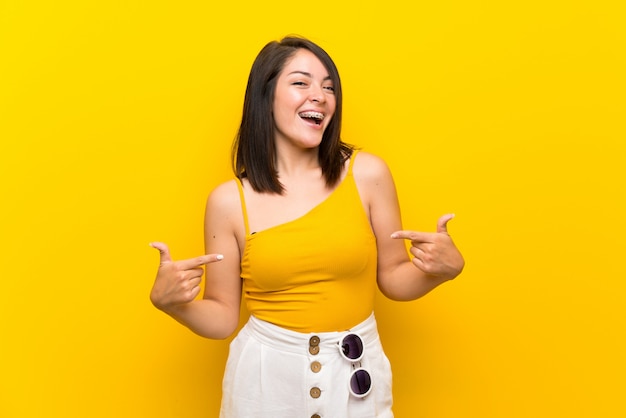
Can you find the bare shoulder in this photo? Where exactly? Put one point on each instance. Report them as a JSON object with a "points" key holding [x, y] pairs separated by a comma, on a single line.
{"points": [[224, 199], [374, 182], [370, 169], [224, 216]]}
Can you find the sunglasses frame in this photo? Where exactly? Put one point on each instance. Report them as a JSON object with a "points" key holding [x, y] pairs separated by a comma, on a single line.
{"points": [[353, 375], [341, 345], [356, 363]]}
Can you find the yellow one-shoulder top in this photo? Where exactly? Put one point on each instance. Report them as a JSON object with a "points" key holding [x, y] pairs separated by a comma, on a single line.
{"points": [[316, 273]]}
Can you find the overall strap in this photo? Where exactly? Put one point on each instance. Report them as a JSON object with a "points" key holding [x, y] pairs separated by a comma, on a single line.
{"points": [[243, 205], [352, 158]]}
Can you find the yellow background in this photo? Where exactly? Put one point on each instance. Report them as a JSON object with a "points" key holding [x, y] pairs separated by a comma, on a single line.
{"points": [[116, 121]]}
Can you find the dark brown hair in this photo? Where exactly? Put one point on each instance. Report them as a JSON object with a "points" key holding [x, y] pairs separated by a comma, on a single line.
{"points": [[254, 151]]}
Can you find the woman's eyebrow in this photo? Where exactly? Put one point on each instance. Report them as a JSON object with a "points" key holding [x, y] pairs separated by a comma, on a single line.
{"points": [[304, 73], [301, 72]]}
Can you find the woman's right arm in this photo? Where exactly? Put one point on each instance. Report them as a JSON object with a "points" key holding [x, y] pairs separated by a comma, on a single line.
{"points": [[177, 284]]}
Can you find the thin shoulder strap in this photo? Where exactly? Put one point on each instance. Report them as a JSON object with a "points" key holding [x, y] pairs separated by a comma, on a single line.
{"points": [[243, 206], [352, 158]]}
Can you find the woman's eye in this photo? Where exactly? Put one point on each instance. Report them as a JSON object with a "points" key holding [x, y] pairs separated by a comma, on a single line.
{"points": [[330, 88], [299, 83]]}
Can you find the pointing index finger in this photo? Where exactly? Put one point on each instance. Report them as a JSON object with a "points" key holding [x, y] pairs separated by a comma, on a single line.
{"points": [[195, 262], [412, 235]]}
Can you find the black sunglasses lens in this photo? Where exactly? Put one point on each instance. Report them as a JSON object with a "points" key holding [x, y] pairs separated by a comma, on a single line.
{"points": [[361, 382], [352, 346]]}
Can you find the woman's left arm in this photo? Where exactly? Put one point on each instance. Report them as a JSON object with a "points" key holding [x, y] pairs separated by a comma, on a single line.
{"points": [[435, 259]]}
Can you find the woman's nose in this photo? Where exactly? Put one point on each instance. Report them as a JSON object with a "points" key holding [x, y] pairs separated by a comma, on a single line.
{"points": [[317, 94]]}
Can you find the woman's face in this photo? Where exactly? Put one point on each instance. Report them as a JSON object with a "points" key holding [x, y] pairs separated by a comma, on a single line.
{"points": [[304, 101]]}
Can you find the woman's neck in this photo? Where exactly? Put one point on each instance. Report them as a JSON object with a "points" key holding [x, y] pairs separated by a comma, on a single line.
{"points": [[297, 163]]}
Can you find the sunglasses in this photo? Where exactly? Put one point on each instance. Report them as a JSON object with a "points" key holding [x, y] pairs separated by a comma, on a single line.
{"points": [[351, 349]]}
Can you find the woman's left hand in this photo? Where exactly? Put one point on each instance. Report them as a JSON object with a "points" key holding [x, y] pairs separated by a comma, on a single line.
{"points": [[434, 252]]}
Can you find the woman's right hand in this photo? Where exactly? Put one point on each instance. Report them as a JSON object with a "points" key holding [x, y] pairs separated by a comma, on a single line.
{"points": [[177, 282]]}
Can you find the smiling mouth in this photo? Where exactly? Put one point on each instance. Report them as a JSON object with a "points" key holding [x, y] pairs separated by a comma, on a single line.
{"points": [[316, 117]]}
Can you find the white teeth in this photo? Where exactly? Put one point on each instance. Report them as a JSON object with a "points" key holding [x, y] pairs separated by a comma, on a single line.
{"points": [[312, 115]]}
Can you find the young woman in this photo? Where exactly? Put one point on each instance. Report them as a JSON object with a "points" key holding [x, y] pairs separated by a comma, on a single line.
{"points": [[305, 232]]}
